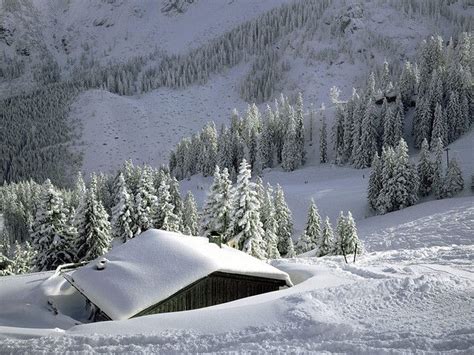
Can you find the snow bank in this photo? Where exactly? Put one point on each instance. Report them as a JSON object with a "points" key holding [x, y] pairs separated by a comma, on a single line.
{"points": [[156, 265]]}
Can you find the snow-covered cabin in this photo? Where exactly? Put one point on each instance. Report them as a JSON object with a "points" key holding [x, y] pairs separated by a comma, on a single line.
{"points": [[161, 271]]}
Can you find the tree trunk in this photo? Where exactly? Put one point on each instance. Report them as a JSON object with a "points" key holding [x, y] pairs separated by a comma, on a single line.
{"points": [[355, 253], [344, 253]]}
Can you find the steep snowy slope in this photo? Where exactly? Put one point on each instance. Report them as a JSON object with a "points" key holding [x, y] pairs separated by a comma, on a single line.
{"points": [[351, 39], [415, 295]]}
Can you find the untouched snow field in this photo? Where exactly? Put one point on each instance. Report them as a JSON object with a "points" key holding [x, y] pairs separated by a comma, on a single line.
{"points": [[413, 290]]}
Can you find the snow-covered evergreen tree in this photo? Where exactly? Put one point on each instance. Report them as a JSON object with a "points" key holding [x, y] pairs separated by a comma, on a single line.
{"points": [[326, 243], [51, 235], [310, 238], [190, 215], [93, 227], [23, 258], [384, 202], [164, 217], [347, 241], [247, 226], [323, 154], [290, 155], [217, 214], [405, 179], [270, 226], [300, 131], [368, 138], [425, 170], [123, 226], [145, 203], [453, 182], [285, 223], [438, 148], [375, 182], [440, 129]]}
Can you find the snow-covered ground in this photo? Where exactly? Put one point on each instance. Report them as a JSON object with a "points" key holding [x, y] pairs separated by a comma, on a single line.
{"points": [[413, 290]]}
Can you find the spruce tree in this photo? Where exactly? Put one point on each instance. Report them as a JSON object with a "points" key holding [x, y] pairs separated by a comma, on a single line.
{"points": [[190, 215], [405, 180], [368, 138], [438, 168], [312, 233], [375, 182], [425, 170], [290, 154], [23, 258], [123, 226], [453, 182], [300, 137], [388, 129], [145, 202], [347, 241], [323, 154], [270, 226], [326, 244], [217, 214], [247, 226], [164, 217], [440, 128], [52, 237], [384, 202], [208, 217], [93, 227], [284, 220]]}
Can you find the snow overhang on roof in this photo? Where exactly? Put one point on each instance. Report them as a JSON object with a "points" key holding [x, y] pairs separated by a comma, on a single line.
{"points": [[154, 266]]}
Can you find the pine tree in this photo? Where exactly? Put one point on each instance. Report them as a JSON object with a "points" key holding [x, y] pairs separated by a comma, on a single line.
{"points": [[425, 170], [300, 138], [123, 226], [405, 180], [347, 240], [285, 223], [290, 253], [323, 155], [368, 138], [23, 259], [384, 202], [326, 244], [247, 226], [266, 146], [165, 218], [438, 168], [270, 226], [312, 233], [375, 182], [453, 181], [290, 153], [145, 202], [208, 217], [216, 217], [93, 227], [388, 128], [51, 235], [190, 215], [440, 128]]}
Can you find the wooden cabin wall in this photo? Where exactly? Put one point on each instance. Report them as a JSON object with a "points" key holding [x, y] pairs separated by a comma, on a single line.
{"points": [[214, 289]]}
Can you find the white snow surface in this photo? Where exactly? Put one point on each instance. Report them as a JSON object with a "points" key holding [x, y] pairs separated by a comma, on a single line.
{"points": [[156, 265], [412, 294]]}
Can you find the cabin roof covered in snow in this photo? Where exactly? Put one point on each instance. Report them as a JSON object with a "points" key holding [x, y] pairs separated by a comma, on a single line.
{"points": [[156, 265]]}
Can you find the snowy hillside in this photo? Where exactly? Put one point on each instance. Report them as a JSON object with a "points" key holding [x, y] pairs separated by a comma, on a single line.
{"points": [[410, 294], [316, 62]]}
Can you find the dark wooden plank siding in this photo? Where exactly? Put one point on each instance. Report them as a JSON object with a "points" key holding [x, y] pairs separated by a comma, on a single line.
{"points": [[214, 289]]}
